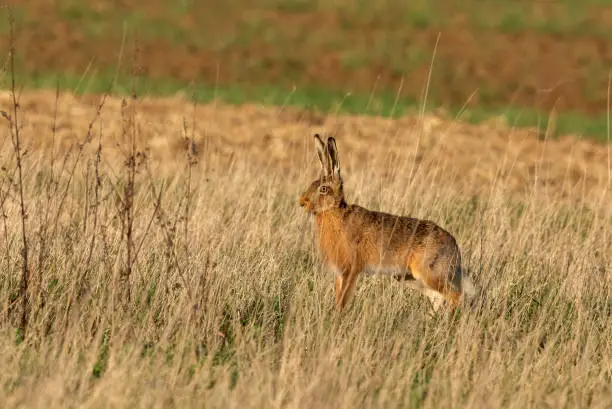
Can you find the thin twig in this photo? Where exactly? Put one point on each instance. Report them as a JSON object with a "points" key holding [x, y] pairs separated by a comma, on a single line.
{"points": [[14, 121]]}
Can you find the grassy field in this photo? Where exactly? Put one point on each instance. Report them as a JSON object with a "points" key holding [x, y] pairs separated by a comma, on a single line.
{"points": [[169, 263], [324, 101], [152, 252], [481, 58]]}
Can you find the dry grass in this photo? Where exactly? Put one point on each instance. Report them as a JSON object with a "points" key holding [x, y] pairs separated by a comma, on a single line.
{"points": [[229, 306]]}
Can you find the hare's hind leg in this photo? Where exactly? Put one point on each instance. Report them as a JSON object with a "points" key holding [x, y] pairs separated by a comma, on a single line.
{"points": [[440, 286], [446, 288], [441, 290], [434, 297]]}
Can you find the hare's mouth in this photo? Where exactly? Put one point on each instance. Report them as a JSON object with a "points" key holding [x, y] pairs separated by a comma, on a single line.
{"points": [[307, 205], [304, 201]]}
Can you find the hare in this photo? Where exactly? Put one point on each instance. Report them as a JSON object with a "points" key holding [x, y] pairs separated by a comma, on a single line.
{"points": [[354, 240]]}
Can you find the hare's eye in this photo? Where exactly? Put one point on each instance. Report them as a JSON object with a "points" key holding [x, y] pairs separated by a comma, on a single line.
{"points": [[323, 189]]}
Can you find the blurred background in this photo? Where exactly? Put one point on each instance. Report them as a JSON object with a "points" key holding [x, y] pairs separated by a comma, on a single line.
{"points": [[519, 58]]}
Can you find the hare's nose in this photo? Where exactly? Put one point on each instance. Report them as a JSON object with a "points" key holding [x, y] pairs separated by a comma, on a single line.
{"points": [[303, 201]]}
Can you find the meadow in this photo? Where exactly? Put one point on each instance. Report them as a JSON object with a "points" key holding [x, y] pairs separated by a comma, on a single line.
{"points": [[531, 62], [153, 253], [184, 274]]}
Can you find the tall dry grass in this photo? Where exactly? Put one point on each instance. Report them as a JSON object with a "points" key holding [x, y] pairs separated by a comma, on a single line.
{"points": [[228, 305]]}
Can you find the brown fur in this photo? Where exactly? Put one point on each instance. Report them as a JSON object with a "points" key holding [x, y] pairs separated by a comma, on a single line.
{"points": [[353, 239]]}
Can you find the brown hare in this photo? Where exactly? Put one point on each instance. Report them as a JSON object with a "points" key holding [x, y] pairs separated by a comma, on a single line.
{"points": [[353, 240]]}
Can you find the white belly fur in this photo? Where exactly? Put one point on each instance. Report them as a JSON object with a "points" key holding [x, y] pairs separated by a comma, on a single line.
{"points": [[387, 270], [416, 284], [379, 269]]}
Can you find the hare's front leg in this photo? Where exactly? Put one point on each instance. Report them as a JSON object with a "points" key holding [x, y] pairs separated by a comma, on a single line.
{"points": [[338, 288], [345, 286]]}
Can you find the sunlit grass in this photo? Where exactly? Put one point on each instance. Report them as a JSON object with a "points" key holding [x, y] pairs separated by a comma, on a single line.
{"points": [[230, 306]]}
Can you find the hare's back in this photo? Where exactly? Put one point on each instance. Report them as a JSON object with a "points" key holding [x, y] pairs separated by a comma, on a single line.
{"points": [[397, 230]]}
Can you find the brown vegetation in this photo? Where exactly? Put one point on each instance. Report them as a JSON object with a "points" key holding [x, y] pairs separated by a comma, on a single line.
{"points": [[477, 159], [338, 45], [228, 306]]}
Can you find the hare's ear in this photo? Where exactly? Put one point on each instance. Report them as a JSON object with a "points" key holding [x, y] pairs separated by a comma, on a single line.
{"points": [[333, 155], [326, 169]]}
